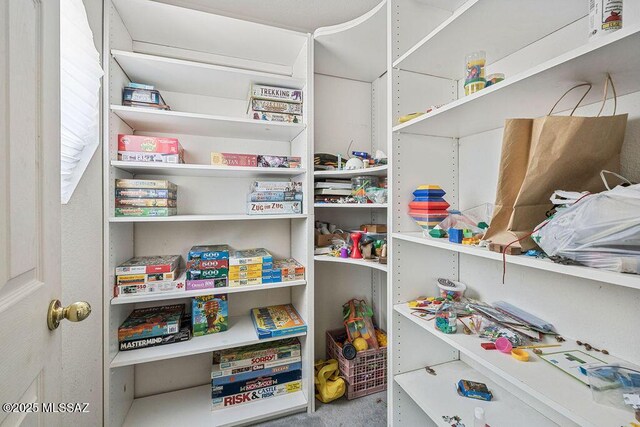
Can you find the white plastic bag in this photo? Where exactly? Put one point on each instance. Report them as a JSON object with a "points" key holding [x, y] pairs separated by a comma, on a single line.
{"points": [[601, 230]]}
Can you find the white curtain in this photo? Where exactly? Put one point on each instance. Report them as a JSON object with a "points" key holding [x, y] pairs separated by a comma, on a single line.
{"points": [[80, 77]]}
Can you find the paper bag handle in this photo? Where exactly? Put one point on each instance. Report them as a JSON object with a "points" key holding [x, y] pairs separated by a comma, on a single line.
{"points": [[606, 92], [617, 175], [566, 93]]}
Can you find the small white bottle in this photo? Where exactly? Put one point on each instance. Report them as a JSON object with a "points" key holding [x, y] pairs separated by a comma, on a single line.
{"points": [[478, 418]]}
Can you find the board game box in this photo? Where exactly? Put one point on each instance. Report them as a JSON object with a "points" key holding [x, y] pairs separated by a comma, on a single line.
{"points": [[266, 161], [258, 394], [249, 267], [158, 184], [146, 212], [257, 353], [274, 208], [287, 269], [272, 93], [246, 282], [255, 383], [250, 274], [275, 117], [145, 193], [136, 202], [275, 106], [277, 321], [295, 186], [207, 274], [128, 279], [249, 374], [151, 322], [207, 264], [150, 287], [209, 252], [274, 196], [149, 144], [250, 256], [233, 159], [131, 156], [196, 285], [149, 264], [184, 334], [209, 314], [217, 371]]}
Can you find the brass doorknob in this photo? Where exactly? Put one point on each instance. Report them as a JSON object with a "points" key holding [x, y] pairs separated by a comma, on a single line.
{"points": [[76, 312]]}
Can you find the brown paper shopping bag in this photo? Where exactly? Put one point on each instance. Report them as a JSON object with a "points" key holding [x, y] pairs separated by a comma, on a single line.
{"points": [[546, 154]]}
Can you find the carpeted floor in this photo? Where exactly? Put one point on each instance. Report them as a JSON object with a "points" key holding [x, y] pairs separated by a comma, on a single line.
{"points": [[369, 411]]}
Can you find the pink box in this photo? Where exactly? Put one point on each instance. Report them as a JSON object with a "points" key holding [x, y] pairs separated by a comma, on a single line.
{"points": [[196, 285], [149, 144], [231, 159]]}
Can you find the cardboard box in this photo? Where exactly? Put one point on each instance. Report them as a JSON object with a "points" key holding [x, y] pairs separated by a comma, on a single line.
{"points": [[274, 208], [231, 159], [322, 240], [149, 144], [374, 228], [273, 93], [209, 314]]}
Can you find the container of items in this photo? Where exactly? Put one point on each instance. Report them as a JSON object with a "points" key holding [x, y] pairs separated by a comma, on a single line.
{"points": [[360, 185], [366, 373], [605, 16], [451, 290], [474, 79], [447, 321], [494, 78]]}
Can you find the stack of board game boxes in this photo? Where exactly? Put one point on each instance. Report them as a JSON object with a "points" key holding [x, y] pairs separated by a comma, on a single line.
{"points": [[250, 267], [252, 373], [332, 190], [207, 267], [275, 197], [143, 96], [275, 104], [153, 326], [254, 160], [149, 274], [146, 197], [140, 148]]}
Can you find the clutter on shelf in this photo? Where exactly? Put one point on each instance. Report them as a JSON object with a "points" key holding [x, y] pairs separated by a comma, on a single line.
{"points": [[474, 79], [605, 16], [145, 198], [275, 197], [357, 160], [277, 321], [368, 243], [140, 148], [143, 96], [359, 189], [261, 371], [275, 104], [255, 160]]}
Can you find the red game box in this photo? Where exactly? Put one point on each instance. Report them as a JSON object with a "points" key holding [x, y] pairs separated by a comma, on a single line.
{"points": [[149, 144]]}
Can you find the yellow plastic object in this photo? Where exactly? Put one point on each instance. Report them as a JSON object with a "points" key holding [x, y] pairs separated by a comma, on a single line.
{"points": [[329, 385], [382, 338], [360, 344], [520, 354], [408, 117]]}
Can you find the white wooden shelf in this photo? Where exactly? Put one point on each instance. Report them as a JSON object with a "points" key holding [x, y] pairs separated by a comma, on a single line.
{"points": [[150, 120], [514, 97], [351, 205], [241, 332], [537, 378], [375, 171], [361, 262], [192, 407], [356, 49], [436, 395], [204, 79], [485, 19], [133, 299], [619, 279], [169, 169], [191, 218]]}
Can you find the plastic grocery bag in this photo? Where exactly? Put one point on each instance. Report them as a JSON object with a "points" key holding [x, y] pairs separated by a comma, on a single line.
{"points": [[601, 230]]}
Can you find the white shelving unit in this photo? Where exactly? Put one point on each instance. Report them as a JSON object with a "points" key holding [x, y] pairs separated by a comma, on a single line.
{"points": [[350, 108], [206, 84], [457, 146]]}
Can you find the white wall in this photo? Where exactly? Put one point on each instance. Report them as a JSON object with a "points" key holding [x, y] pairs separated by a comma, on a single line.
{"points": [[82, 279]]}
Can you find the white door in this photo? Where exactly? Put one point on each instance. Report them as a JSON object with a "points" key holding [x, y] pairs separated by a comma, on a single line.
{"points": [[29, 209]]}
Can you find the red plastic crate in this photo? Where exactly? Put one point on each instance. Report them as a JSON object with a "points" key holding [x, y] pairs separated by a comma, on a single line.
{"points": [[366, 374]]}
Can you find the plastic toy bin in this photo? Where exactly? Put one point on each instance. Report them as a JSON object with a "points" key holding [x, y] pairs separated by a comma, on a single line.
{"points": [[366, 374]]}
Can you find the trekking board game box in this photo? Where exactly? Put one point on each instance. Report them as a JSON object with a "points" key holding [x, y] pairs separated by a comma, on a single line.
{"points": [[209, 314], [255, 383], [272, 93], [257, 353], [151, 322], [277, 320], [248, 374], [149, 264]]}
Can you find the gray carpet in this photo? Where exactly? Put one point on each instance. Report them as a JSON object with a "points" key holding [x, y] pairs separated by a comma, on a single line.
{"points": [[369, 411]]}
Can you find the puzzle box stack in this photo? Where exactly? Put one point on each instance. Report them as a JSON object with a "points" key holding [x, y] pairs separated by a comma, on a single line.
{"points": [[140, 148], [146, 198], [208, 267], [250, 267], [275, 104], [149, 274], [252, 373], [275, 197]]}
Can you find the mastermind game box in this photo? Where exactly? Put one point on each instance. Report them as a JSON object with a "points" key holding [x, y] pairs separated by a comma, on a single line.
{"points": [[151, 322]]}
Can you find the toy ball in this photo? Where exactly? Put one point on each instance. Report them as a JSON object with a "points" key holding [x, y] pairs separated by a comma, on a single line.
{"points": [[360, 344], [354, 163]]}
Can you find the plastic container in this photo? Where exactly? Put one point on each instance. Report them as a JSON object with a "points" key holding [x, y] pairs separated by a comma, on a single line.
{"points": [[455, 292], [360, 185], [474, 80], [504, 345], [478, 418], [366, 374], [447, 321], [494, 78]]}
